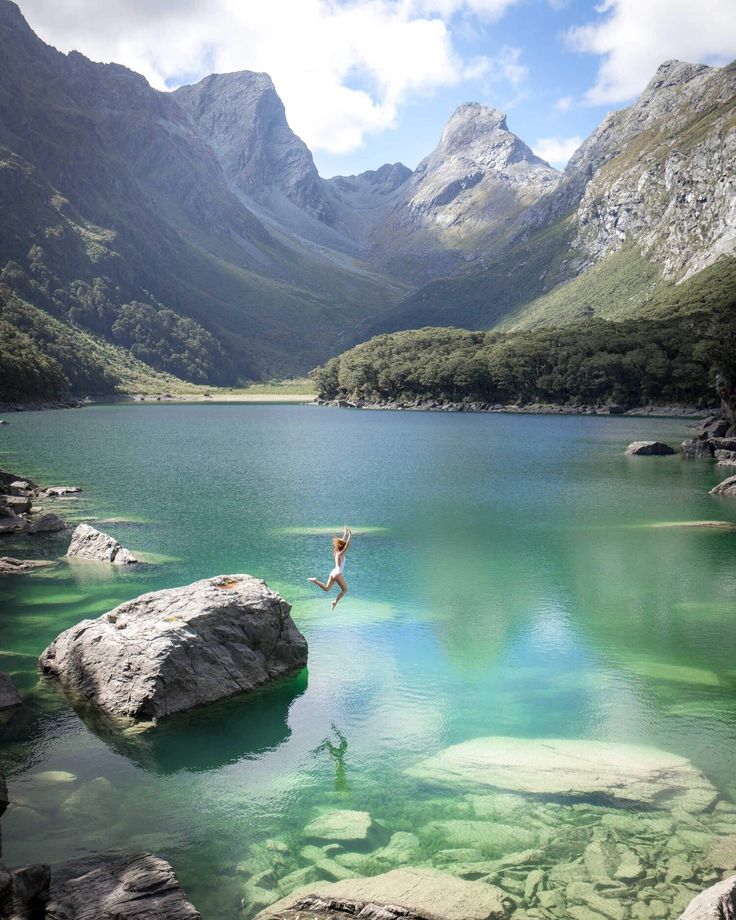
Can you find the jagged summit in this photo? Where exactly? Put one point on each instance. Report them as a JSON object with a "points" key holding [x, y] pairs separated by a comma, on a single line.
{"points": [[244, 121]]}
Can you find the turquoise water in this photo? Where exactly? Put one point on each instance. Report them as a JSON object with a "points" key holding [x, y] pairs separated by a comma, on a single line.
{"points": [[511, 575]]}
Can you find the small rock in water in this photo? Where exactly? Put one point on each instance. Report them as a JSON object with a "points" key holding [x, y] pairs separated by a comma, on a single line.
{"points": [[340, 825], [649, 448], [727, 487], [92, 544], [60, 491], [11, 566]]}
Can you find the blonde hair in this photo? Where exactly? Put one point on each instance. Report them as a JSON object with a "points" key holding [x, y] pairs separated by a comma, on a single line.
{"points": [[338, 544]]}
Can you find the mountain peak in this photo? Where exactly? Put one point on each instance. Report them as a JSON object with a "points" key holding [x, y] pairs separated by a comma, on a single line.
{"points": [[470, 122]]}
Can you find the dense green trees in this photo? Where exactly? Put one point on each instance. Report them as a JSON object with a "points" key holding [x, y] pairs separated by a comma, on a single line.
{"points": [[673, 359], [26, 374]]}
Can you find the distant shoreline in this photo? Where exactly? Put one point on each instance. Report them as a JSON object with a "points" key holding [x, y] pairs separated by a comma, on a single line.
{"points": [[648, 411]]}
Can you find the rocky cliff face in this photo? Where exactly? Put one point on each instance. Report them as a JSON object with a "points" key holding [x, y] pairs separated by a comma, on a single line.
{"points": [[244, 122], [672, 186], [658, 173], [479, 178]]}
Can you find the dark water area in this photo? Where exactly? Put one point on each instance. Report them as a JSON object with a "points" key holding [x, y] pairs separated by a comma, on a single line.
{"points": [[510, 576]]}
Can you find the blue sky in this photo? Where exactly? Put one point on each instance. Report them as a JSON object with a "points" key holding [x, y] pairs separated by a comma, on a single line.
{"points": [[367, 82]]}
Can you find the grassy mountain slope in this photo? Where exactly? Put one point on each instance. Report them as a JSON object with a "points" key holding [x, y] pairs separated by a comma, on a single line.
{"points": [[43, 359]]}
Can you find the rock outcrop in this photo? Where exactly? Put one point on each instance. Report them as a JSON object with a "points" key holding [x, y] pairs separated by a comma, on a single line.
{"points": [[124, 886], [564, 769], [16, 507], [173, 650], [410, 893], [89, 543], [649, 448], [715, 903], [727, 487]]}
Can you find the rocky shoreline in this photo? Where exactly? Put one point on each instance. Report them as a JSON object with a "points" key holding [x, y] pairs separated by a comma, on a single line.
{"points": [[668, 411]]}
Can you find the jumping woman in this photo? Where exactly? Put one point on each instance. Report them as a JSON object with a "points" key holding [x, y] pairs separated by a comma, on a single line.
{"points": [[340, 546]]}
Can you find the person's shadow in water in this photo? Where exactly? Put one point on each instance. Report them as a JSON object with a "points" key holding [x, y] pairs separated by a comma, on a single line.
{"points": [[336, 752]]}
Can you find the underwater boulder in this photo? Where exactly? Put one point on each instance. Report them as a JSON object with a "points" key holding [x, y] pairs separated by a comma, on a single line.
{"points": [[410, 893], [558, 768], [173, 650]]}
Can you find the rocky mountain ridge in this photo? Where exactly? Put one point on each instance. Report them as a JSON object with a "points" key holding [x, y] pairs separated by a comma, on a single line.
{"points": [[191, 229]]}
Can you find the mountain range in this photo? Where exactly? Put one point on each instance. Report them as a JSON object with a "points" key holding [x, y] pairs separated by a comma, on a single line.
{"points": [[189, 232]]}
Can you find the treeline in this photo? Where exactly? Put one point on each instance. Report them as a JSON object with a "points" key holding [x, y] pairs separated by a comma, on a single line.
{"points": [[672, 359]]}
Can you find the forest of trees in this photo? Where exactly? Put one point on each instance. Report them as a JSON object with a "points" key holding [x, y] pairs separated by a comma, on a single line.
{"points": [[673, 359]]}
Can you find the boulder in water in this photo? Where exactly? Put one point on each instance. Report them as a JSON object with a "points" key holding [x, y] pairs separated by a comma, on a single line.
{"points": [[648, 448], [92, 544], [173, 650], [404, 894], [47, 523], [60, 491], [727, 487], [573, 770]]}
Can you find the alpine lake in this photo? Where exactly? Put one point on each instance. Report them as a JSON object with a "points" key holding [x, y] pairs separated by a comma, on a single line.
{"points": [[511, 576]]}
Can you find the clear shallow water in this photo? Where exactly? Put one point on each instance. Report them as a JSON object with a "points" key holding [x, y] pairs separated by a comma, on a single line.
{"points": [[510, 581]]}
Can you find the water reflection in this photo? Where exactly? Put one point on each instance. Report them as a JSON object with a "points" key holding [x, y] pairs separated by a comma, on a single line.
{"points": [[337, 754], [208, 738]]}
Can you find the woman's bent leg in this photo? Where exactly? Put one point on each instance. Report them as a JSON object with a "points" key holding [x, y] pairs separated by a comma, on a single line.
{"points": [[343, 590], [316, 581]]}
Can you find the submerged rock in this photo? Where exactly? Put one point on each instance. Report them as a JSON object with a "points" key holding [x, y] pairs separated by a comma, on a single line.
{"points": [[60, 491], [173, 650], [647, 448], [124, 886], [727, 487], [559, 768], [410, 893], [715, 903], [11, 566], [89, 543], [344, 826]]}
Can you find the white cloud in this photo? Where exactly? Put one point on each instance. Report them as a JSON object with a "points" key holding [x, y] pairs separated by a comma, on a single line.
{"points": [[635, 36], [342, 70], [557, 150], [563, 104], [505, 66]]}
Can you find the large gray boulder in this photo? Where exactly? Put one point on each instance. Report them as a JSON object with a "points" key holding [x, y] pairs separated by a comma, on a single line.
{"points": [[648, 448], [176, 649], [96, 546], [560, 768], [727, 487], [404, 894], [117, 886], [715, 903]]}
